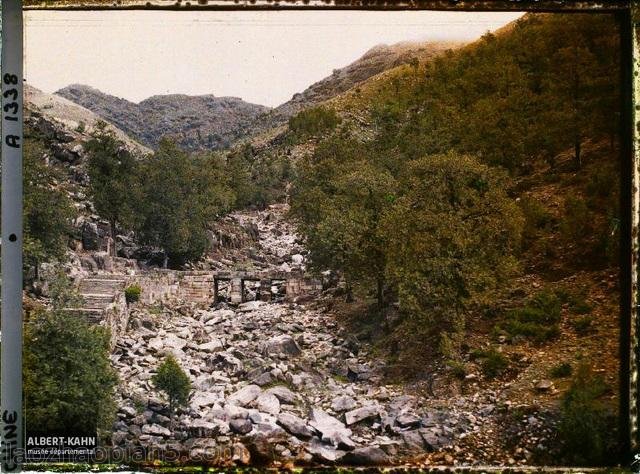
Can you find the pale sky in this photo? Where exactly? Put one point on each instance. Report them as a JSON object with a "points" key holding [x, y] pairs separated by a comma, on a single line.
{"points": [[262, 57]]}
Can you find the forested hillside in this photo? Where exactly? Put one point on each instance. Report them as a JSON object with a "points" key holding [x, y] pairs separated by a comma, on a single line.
{"points": [[471, 204], [429, 245]]}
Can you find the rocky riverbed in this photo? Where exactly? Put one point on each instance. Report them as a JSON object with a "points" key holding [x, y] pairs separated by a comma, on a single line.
{"points": [[280, 383]]}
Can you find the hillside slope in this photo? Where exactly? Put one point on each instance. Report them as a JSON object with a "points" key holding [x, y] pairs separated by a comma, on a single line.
{"points": [[201, 122]]}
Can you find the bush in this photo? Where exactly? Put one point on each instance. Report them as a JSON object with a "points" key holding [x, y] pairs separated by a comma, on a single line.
{"points": [[493, 362], [132, 293], [173, 381], [582, 325], [457, 368], [561, 370], [536, 217], [577, 219], [313, 121], [537, 320], [68, 379], [586, 427]]}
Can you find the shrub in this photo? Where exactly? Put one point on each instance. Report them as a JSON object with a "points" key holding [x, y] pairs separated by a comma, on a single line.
{"points": [[132, 293], [173, 381], [68, 379], [537, 320], [536, 217], [577, 219], [582, 325], [457, 368], [313, 121], [493, 362], [586, 425], [561, 370]]}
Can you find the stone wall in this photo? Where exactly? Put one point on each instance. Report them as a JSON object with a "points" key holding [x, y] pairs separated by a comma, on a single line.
{"points": [[164, 286], [297, 287]]}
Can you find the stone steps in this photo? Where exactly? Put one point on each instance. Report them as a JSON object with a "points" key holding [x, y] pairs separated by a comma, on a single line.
{"points": [[98, 293]]}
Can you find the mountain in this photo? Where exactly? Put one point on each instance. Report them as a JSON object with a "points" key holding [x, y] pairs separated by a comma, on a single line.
{"points": [[52, 115], [202, 122], [376, 60]]}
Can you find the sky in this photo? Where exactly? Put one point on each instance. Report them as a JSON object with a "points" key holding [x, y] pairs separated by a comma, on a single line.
{"points": [[261, 57]]}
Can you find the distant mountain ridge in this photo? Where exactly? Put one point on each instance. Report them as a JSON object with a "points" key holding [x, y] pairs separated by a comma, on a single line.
{"points": [[376, 60], [207, 122], [202, 122]]}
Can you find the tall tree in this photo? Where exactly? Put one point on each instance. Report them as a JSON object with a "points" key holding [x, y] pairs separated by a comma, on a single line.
{"points": [[182, 195], [112, 177], [48, 210]]}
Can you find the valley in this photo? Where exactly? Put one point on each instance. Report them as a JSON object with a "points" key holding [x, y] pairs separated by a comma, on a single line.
{"points": [[429, 238]]}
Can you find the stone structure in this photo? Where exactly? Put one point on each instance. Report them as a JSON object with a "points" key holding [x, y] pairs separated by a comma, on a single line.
{"points": [[203, 287], [103, 302]]}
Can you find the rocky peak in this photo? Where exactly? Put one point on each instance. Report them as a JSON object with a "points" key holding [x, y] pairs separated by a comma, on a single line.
{"points": [[202, 122]]}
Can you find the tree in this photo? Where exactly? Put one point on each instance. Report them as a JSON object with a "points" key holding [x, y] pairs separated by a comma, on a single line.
{"points": [[174, 382], [181, 196], [451, 240], [112, 173], [338, 203], [68, 379], [48, 210]]}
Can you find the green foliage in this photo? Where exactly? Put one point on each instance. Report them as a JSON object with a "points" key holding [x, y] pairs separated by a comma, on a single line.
{"points": [[494, 363], [457, 368], [132, 293], [577, 219], [48, 210], [112, 178], [561, 370], [182, 195], [582, 325], [511, 99], [68, 379], [313, 121], [586, 427], [537, 320], [339, 202], [450, 241], [536, 218], [437, 233], [173, 381]]}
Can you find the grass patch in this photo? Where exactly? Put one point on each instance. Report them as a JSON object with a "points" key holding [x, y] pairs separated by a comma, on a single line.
{"points": [[493, 363], [561, 370], [537, 320], [583, 325], [587, 426]]}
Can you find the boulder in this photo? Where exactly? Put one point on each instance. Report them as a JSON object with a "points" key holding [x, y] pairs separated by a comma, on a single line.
{"points": [[156, 430], [245, 395], [367, 456], [283, 394], [343, 403], [359, 414], [240, 426], [331, 429], [212, 346], [268, 403], [241, 454], [322, 452], [294, 425], [283, 344], [408, 420]]}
